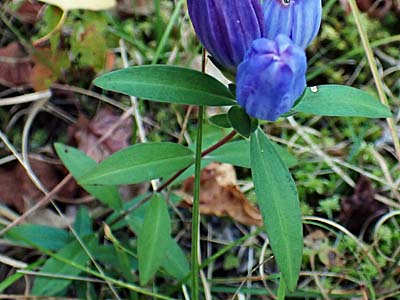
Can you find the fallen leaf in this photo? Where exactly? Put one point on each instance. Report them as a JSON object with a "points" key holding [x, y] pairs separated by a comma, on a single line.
{"points": [[220, 196], [360, 208], [85, 134], [15, 65], [82, 4], [17, 189]]}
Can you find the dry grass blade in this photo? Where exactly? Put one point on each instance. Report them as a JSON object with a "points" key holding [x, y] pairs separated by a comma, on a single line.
{"points": [[32, 97]]}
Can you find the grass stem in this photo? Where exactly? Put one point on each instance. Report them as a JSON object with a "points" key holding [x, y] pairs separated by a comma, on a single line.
{"points": [[196, 208]]}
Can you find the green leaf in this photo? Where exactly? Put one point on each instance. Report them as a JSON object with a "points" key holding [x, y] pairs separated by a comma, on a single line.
{"points": [[153, 238], [175, 262], [78, 163], [83, 222], [139, 163], [73, 252], [107, 254], [341, 100], [238, 154], [279, 205], [46, 237], [220, 120], [240, 121], [167, 84], [132, 218]]}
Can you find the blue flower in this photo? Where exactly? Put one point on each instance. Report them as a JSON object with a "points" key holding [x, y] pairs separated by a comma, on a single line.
{"points": [[298, 19], [271, 77], [226, 28]]}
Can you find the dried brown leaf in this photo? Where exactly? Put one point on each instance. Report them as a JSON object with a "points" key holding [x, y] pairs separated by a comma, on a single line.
{"points": [[220, 196], [17, 189]]}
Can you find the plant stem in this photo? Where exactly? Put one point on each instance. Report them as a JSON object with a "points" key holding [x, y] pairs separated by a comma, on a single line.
{"points": [[196, 208], [218, 144], [281, 289]]}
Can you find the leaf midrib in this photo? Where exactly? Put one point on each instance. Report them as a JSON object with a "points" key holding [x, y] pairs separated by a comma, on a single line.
{"points": [[122, 170]]}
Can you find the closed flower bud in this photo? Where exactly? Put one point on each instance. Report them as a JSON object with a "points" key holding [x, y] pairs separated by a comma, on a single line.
{"points": [[226, 28], [271, 77], [298, 19]]}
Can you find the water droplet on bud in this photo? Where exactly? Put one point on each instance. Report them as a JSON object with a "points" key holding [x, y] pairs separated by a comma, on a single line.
{"points": [[314, 89], [285, 2]]}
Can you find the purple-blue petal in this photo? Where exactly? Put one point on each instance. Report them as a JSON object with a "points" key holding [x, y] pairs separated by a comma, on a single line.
{"points": [[271, 77], [300, 19], [226, 28]]}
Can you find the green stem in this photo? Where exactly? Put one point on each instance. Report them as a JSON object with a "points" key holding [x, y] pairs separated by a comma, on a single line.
{"points": [[164, 38], [281, 289], [196, 208]]}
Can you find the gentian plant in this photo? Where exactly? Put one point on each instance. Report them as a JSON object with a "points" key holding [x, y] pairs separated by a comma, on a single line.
{"points": [[260, 47]]}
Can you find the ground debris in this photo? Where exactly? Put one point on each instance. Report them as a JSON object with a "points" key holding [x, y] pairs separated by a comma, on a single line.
{"points": [[18, 191], [220, 195], [360, 208], [15, 65], [85, 134]]}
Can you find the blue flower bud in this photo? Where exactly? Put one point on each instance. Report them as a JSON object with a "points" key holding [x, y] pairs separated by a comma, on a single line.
{"points": [[271, 77], [298, 19], [226, 28]]}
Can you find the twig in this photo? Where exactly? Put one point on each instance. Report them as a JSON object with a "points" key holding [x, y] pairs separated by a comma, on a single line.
{"points": [[172, 178], [134, 102], [204, 153], [89, 93], [32, 97]]}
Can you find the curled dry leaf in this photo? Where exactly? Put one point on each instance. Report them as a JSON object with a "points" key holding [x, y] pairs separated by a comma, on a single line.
{"points": [[220, 196], [15, 65]]}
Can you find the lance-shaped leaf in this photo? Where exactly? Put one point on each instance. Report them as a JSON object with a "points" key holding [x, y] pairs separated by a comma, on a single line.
{"points": [[78, 163], [139, 163], [167, 84], [279, 204], [72, 252], [153, 238], [341, 101]]}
